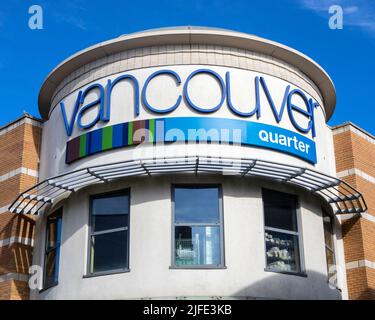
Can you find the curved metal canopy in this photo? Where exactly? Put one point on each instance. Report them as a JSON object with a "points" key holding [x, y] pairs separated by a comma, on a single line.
{"points": [[340, 195]]}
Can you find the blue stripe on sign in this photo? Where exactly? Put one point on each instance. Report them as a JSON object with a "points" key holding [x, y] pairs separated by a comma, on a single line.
{"points": [[118, 136], [88, 142], [95, 141]]}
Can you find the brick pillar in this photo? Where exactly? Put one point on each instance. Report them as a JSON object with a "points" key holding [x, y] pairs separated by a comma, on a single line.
{"points": [[19, 159], [355, 163]]}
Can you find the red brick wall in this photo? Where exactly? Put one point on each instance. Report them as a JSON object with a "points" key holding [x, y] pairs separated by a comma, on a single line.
{"points": [[353, 150], [19, 148], [14, 290]]}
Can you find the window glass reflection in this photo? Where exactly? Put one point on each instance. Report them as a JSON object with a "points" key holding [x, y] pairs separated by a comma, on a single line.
{"points": [[108, 222], [197, 205], [52, 225], [330, 249], [198, 227], [109, 232], [111, 205], [281, 232], [50, 274], [197, 246], [282, 251], [52, 249], [109, 251]]}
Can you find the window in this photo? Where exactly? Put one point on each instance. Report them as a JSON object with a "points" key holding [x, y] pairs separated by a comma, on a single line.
{"points": [[197, 227], [281, 232], [330, 250], [109, 233], [52, 249]]}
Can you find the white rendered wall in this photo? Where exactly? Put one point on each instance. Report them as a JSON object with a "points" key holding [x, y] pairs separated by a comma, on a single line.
{"points": [[150, 275]]}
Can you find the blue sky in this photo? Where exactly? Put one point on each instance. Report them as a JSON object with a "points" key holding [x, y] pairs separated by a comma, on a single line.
{"points": [[348, 55]]}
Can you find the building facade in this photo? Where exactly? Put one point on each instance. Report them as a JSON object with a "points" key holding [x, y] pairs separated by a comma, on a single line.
{"points": [[196, 163]]}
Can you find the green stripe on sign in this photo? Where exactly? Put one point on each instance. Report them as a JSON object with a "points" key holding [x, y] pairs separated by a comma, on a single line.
{"points": [[151, 128], [82, 145], [130, 133], [107, 134]]}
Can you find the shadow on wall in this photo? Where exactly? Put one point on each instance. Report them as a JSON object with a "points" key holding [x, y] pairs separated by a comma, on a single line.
{"points": [[279, 286], [36, 134], [349, 225], [16, 256], [20, 226], [368, 294], [20, 290]]}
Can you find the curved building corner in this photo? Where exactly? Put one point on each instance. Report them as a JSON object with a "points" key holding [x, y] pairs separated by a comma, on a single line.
{"points": [[193, 163]]}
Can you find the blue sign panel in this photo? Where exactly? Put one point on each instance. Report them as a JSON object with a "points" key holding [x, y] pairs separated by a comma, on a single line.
{"points": [[240, 132], [192, 129]]}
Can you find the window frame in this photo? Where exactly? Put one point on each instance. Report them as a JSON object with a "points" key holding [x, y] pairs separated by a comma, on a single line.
{"points": [[58, 214], [298, 234], [92, 197], [220, 225], [327, 247]]}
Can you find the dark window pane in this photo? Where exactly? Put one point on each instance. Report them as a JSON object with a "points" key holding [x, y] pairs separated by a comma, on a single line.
{"points": [[198, 205], [111, 205], [282, 251], [280, 210], [110, 212], [197, 246], [51, 271], [109, 251], [108, 222]]}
